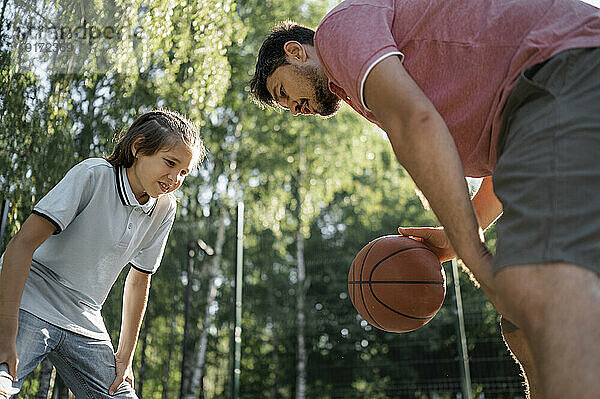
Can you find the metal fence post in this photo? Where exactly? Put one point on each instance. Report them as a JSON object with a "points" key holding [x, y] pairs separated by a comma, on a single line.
{"points": [[238, 303], [463, 352]]}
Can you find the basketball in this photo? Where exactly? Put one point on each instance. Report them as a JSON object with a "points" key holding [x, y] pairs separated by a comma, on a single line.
{"points": [[397, 284]]}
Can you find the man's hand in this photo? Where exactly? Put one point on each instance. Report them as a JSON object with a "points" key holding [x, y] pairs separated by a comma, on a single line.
{"points": [[434, 237], [124, 373]]}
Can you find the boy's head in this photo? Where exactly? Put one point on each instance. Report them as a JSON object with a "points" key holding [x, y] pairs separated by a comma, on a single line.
{"points": [[289, 75], [154, 131], [158, 150]]}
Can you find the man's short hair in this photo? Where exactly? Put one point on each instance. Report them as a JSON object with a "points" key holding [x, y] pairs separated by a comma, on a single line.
{"points": [[271, 56]]}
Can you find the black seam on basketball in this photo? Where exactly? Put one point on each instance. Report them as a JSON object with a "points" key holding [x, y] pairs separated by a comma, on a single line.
{"points": [[373, 292], [354, 292], [353, 276], [393, 254], [394, 310], [396, 253], [351, 279], [361, 291]]}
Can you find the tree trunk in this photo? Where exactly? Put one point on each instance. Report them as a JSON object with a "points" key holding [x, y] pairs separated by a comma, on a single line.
{"points": [[187, 374], [46, 380], [300, 319], [301, 282], [199, 364], [198, 372], [187, 346], [221, 376], [275, 343], [144, 338], [196, 384], [167, 371], [2, 28]]}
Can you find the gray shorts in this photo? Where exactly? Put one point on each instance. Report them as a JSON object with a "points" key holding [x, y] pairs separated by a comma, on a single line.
{"points": [[548, 171]]}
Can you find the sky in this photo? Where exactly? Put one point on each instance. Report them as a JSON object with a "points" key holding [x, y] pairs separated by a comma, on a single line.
{"points": [[593, 2]]}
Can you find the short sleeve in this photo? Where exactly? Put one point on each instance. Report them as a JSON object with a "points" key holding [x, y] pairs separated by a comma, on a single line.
{"points": [[351, 40], [66, 200], [147, 260]]}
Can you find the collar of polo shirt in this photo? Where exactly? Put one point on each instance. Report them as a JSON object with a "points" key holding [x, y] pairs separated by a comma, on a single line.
{"points": [[126, 193]]}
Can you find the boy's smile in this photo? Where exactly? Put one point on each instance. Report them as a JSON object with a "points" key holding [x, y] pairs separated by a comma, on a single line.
{"points": [[160, 173]]}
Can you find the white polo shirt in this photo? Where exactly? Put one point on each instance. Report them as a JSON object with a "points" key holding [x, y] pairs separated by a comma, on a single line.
{"points": [[100, 228]]}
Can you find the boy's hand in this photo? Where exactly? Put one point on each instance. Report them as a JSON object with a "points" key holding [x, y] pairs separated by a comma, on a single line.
{"points": [[124, 373], [8, 346], [6, 384], [434, 237]]}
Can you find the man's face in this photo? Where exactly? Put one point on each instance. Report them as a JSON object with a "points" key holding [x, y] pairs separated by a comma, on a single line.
{"points": [[303, 89]]}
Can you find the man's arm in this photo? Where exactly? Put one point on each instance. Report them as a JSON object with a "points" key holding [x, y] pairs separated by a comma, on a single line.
{"points": [[135, 297], [424, 146], [487, 209], [15, 269]]}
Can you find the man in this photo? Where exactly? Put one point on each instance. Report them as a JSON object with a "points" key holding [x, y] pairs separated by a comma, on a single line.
{"points": [[480, 88]]}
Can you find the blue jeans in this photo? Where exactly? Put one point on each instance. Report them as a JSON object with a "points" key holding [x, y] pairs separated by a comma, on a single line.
{"points": [[86, 365]]}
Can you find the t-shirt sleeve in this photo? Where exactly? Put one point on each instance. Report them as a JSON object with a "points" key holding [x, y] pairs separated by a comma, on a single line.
{"points": [[66, 200], [351, 41], [147, 260]]}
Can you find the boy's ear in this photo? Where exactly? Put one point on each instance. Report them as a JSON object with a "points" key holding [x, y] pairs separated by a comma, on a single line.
{"points": [[135, 146]]}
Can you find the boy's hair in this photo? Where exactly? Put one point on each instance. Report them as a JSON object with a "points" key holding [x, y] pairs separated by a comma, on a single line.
{"points": [[271, 56], [158, 129]]}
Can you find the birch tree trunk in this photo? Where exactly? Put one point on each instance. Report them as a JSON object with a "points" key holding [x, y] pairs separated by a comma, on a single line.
{"points": [[198, 372], [301, 282], [300, 319]]}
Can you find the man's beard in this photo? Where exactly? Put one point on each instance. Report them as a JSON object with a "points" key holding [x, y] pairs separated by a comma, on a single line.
{"points": [[326, 103]]}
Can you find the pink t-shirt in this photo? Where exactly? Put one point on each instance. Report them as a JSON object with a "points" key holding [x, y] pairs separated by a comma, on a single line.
{"points": [[466, 55]]}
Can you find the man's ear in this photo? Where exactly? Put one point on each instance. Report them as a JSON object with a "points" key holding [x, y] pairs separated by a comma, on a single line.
{"points": [[295, 51]]}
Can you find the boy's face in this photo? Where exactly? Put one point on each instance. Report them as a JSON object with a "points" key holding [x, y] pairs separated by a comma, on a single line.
{"points": [[160, 173]]}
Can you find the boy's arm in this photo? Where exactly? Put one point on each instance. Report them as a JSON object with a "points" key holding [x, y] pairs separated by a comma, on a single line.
{"points": [[135, 297], [15, 269], [424, 146]]}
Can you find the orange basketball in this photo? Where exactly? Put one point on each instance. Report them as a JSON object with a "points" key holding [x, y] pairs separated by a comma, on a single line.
{"points": [[396, 283]]}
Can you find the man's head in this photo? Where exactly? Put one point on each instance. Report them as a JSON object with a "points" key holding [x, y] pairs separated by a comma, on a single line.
{"points": [[288, 73]]}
